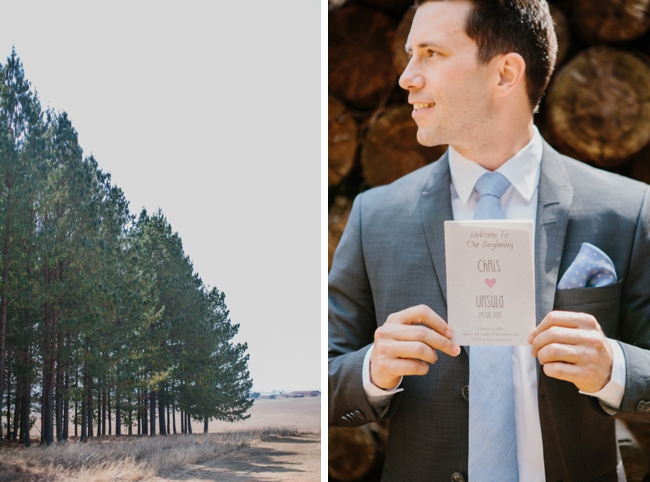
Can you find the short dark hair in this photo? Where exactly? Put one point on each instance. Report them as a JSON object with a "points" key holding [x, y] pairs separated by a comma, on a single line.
{"points": [[521, 26]]}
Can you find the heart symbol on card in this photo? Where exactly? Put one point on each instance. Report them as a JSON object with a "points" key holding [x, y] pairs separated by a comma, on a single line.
{"points": [[490, 282]]}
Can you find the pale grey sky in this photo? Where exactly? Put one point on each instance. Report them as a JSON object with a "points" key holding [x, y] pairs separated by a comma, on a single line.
{"points": [[209, 110]]}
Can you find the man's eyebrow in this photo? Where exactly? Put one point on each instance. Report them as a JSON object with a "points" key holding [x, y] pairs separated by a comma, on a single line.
{"points": [[423, 45]]}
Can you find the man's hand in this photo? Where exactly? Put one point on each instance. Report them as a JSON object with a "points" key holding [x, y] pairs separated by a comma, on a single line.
{"points": [[572, 347], [406, 345]]}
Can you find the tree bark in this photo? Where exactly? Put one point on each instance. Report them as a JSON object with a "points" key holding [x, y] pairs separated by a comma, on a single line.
{"points": [[174, 417], [161, 413], [205, 425], [152, 412], [59, 395], [84, 407]]}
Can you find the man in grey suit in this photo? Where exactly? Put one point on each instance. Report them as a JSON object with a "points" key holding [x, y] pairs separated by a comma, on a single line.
{"points": [[476, 74]]}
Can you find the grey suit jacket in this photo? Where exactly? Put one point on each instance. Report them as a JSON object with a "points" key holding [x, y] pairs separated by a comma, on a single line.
{"points": [[391, 257]]}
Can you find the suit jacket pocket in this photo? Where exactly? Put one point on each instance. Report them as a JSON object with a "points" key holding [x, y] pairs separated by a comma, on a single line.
{"points": [[603, 303]]}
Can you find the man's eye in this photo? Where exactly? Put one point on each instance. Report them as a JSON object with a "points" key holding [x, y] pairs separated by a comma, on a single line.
{"points": [[431, 53]]}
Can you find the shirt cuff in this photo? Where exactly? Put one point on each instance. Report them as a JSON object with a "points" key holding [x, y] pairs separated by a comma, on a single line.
{"points": [[377, 397], [611, 395]]}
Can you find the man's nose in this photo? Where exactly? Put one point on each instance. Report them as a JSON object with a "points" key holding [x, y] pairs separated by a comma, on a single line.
{"points": [[411, 78]]}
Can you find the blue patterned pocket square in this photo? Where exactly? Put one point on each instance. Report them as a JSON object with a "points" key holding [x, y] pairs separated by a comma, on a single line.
{"points": [[591, 269]]}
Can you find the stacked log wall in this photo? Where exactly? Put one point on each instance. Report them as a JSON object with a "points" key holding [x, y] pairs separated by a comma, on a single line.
{"points": [[596, 109]]}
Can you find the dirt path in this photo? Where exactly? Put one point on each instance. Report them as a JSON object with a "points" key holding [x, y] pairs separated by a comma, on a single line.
{"points": [[278, 459]]}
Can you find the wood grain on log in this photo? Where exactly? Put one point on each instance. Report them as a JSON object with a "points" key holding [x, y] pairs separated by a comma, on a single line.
{"points": [[391, 150], [561, 32], [342, 141], [612, 20], [598, 106], [360, 63], [337, 220], [351, 452], [400, 58]]}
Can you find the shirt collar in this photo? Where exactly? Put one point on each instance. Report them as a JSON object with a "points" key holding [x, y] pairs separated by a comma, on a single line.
{"points": [[522, 170]]}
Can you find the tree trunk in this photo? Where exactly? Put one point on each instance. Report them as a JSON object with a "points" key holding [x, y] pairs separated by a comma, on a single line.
{"points": [[89, 411], [59, 395], [130, 412], [139, 414], [26, 395], [17, 409], [342, 141], [205, 425], [174, 417], [27, 389], [145, 414], [108, 408], [611, 20], [188, 423], [353, 452], [597, 107], [336, 222], [562, 33], [118, 414], [103, 407], [5, 288], [161, 414], [84, 407], [182, 422], [167, 399], [152, 412], [360, 59], [66, 401], [391, 150], [8, 402]]}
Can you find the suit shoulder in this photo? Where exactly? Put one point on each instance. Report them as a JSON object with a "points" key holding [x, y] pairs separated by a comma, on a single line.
{"points": [[404, 191], [590, 177]]}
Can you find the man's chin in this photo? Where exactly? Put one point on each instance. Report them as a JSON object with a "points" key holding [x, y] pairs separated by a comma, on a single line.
{"points": [[428, 139]]}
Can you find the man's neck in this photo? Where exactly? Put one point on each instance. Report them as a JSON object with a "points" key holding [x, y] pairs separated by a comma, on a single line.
{"points": [[495, 148]]}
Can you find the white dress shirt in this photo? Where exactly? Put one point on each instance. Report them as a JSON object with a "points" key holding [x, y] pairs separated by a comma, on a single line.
{"points": [[519, 201]]}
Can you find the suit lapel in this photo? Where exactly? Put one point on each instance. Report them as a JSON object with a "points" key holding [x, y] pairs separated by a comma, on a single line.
{"points": [[436, 209], [553, 205]]}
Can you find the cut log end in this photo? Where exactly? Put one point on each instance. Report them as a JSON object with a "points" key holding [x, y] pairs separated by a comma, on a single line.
{"points": [[391, 149], [598, 106]]}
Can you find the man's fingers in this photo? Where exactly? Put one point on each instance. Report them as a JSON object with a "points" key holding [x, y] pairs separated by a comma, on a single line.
{"points": [[557, 334], [426, 335], [557, 352], [392, 349], [562, 371], [567, 319], [423, 315], [405, 367]]}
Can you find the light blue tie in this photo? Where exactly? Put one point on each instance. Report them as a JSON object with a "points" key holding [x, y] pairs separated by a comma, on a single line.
{"points": [[492, 431]]}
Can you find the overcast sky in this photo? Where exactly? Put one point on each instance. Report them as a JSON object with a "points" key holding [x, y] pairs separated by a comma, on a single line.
{"points": [[209, 110]]}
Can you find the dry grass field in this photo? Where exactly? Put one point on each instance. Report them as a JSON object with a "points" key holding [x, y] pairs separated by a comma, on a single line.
{"points": [[280, 441]]}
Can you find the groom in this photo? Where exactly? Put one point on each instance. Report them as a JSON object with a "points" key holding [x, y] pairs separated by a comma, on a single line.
{"points": [[476, 74]]}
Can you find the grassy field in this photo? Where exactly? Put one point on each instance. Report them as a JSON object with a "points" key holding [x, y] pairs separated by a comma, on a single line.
{"points": [[143, 458]]}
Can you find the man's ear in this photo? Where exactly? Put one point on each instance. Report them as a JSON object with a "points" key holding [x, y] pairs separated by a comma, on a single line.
{"points": [[512, 69]]}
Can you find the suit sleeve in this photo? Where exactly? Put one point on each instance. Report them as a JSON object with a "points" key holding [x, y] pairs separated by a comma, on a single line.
{"points": [[351, 328], [634, 322]]}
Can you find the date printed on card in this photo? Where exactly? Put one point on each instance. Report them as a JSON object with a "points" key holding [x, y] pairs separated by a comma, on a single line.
{"points": [[490, 281]]}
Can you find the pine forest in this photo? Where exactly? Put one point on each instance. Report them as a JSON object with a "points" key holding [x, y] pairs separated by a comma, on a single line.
{"points": [[105, 327]]}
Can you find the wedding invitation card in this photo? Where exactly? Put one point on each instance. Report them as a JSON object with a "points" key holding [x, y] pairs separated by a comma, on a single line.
{"points": [[490, 281]]}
